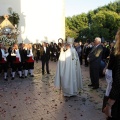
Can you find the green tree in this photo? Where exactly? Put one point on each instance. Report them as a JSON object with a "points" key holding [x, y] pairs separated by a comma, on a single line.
{"points": [[103, 22], [76, 24]]}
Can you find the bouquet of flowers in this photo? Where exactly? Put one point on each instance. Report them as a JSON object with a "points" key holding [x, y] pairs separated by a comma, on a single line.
{"points": [[6, 41]]}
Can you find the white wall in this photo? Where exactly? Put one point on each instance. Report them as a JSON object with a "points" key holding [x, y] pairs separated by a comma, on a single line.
{"points": [[40, 20]]}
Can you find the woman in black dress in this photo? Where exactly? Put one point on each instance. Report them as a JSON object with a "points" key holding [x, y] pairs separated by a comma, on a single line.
{"points": [[112, 109]]}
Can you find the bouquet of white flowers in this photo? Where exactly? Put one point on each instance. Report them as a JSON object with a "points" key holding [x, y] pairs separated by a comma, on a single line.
{"points": [[6, 41]]}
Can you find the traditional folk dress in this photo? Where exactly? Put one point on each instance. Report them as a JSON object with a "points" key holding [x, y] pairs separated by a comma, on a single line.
{"points": [[16, 63], [29, 63], [3, 63]]}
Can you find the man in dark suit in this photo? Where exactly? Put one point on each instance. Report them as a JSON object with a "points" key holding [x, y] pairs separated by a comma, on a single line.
{"points": [[51, 51], [45, 56], [94, 59]]}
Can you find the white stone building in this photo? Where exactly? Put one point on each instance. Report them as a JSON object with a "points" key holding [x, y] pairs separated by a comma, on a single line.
{"points": [[40, 20]]}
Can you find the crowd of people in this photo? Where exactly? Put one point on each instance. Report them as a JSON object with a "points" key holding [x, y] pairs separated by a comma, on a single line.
{"points": [[15, 57], [16, 60], [19, 59], [94, 54]]}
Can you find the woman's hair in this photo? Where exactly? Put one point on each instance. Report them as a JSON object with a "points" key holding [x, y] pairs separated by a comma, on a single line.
{"points": [[117, 45]]}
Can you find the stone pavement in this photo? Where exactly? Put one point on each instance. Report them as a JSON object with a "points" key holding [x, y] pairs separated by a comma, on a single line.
{"points": [[37, 99]]}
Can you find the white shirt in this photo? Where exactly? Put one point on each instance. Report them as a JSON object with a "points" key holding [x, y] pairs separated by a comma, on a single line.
{"points": [[45, 49], [4, 55]]}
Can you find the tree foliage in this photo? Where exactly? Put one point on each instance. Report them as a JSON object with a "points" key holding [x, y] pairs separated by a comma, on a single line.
{"points": [[103, 22]]}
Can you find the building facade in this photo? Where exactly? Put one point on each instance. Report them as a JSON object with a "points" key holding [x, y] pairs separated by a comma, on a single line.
{"points": [[40, 20]]}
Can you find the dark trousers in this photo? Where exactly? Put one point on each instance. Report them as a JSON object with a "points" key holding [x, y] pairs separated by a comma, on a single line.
{"points": [[81, 60], [43, 66], [94, 75], [86, 62]]}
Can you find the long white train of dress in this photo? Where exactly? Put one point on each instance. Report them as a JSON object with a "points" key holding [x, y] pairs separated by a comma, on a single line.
{"points": [[68, 74]]}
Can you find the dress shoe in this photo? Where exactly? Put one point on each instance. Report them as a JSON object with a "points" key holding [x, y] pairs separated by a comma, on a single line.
{"points": [[12, 78], [21, 77], [31, 75], [5, 79], [95, 87], [91, 85]]}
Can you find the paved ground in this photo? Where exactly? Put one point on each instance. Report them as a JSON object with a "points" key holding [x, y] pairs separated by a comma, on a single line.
{"points": [[37, 99]]}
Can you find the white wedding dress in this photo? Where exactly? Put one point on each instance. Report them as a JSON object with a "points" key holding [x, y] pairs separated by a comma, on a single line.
{"points": [[68, 74]]}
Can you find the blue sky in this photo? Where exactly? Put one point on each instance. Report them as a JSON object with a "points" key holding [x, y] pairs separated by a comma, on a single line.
{"points": [[75, 7]]}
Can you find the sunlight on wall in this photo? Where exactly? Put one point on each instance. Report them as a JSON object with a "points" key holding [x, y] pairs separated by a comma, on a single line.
{"points": [[44, 20]]}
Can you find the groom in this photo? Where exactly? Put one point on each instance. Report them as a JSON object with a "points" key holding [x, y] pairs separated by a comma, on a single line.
{"points": [[45, 56]]}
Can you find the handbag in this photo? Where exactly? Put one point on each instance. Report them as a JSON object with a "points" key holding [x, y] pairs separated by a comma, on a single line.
{"points": [[105, 99], [108, 76]]}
